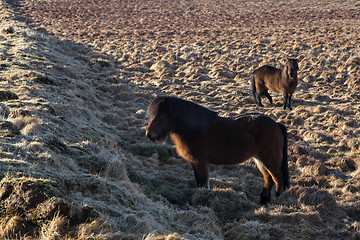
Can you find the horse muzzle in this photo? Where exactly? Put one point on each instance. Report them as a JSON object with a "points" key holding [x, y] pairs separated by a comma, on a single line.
{"points": [[152, 138]]}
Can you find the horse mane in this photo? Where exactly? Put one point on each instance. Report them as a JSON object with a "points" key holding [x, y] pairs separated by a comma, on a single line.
{"points": [[187, 117]]}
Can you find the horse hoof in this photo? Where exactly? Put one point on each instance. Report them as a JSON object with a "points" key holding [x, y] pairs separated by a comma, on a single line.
{"points": [[264, 200]]}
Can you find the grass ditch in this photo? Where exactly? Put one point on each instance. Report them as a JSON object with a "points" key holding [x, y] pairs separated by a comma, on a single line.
{"points": [[176, 190], [162, 151]]}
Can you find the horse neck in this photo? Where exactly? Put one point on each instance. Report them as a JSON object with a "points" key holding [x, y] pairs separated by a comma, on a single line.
{"points": [[285, 77], [284, 74], [183, 129], [187, 127]]}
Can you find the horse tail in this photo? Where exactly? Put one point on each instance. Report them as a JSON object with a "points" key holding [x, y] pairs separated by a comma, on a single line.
{"points": [[284, 163]]}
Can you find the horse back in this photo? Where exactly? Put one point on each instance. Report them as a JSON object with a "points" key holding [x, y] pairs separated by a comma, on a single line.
{"points": [[236, 140], [265, 131], [268, 77], [229, 141]]}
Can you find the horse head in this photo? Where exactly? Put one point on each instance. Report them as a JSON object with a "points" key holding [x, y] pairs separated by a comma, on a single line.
{"points": [[159, 125], [291, 68]]}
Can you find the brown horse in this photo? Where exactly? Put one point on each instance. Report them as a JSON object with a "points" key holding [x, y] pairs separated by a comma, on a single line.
{"points": [[278, 80], [201, 137]]}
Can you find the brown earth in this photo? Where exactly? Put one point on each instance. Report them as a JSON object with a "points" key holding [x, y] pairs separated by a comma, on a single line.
{"points": [[76, 79]]}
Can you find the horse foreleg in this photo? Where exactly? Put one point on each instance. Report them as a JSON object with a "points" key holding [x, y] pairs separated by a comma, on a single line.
{"points": [[285, 100], [201, 172], [289, 104]]}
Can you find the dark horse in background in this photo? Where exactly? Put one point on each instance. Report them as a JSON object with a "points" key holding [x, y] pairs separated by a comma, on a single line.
{"points": [[278, 80], [201, 137]]}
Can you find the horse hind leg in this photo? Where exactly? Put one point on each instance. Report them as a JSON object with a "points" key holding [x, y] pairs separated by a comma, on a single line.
{"points": [[268, 183], [266, 94], [265, 195], [274, 170], [279, 184], [258, 97], [259, 100], [255, 89]]}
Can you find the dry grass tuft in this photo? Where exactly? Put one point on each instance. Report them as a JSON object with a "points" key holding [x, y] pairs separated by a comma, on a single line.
{"points": [[15, 227], [279, 214], [194, 221], [55, 229], [116, 170], [96, 229], [28, 125], [356, 227], [36, 147], [346, 164], [252, 230], [318, 169], [31, 129], [156, 236], [227, 204], [308, 196]]}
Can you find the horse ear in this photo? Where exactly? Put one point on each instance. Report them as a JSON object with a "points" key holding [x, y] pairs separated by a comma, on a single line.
{"points": [[296, 64], [165, 105], [165, 100]]}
